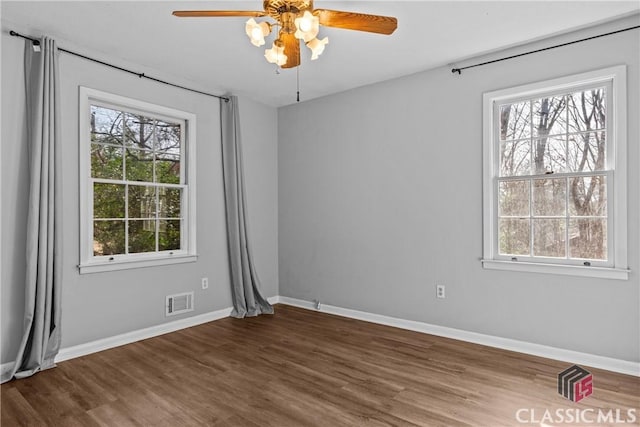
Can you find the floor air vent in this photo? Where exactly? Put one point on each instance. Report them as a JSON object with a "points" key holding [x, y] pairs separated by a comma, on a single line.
{"points": [[179, 303]]}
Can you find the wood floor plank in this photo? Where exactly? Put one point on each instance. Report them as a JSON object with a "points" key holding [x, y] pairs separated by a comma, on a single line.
{"points": [[301, 368], [16, 410]]}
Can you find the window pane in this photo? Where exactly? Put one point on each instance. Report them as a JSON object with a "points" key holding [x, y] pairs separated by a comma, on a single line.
{"points": [[550, 155], [142, 202], [170, 202], [108, 237], [587, 151], [549, 116], [588, 196], [106, 125], [515, 121], [142, 236], [106, 162], [138, 131], [587, 110], [108, 200], [515, 158], [588, 238], [167, 168], [514, 198], [167, 152], [549, 237], [169, 235], [167, 138], [139, 166], [514, 236], [549, 197]]}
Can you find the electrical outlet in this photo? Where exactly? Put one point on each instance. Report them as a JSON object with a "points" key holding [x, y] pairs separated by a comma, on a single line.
{"points": [[205, 283], [440, 291]]}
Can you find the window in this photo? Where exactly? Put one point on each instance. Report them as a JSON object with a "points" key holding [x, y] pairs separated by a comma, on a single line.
{"points": [[137, 183], [555, 176]]}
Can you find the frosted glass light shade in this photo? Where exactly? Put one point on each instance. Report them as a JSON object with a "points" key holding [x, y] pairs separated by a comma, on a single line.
{"points": [[317, 47], [256, 31], [276, 55], [307, 26]]}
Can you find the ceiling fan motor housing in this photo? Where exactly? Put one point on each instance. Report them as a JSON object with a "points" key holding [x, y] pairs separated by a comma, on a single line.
{"points": [[276, 8]]}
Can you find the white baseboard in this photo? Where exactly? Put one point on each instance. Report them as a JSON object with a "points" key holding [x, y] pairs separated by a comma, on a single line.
{"points": [[570, 356], [126, 338], [601, 362], [141, 334], [274, 299]]}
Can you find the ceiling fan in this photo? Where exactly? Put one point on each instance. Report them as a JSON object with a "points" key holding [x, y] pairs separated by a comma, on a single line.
{"points": [[296, 21]]}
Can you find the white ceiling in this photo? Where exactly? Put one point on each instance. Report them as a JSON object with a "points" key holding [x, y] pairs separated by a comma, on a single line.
{"points": [[214, 54]]}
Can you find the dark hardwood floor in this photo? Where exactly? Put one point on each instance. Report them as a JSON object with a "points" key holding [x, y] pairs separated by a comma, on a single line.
{"points": [[304, 368]]}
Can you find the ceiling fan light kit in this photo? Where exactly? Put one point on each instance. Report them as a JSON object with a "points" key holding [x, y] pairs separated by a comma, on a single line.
{"points": [[297, 21], [257, 31], [317, 47], [307, 26], [276, 55]]}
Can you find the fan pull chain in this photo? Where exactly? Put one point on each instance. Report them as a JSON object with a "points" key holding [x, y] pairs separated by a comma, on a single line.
{"points": [[276, 63], [298, 82]]}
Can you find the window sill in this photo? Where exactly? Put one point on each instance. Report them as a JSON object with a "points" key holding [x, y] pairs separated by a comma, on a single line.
{"points": [[565, 270], [125, 264]]}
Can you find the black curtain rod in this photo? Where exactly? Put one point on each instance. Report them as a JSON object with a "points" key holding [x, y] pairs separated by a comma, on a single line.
{"points": [[459, 70], [36, 42]]}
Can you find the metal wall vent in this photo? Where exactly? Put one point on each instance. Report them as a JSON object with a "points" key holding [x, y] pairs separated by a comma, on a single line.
{"points": [[179, 303]]}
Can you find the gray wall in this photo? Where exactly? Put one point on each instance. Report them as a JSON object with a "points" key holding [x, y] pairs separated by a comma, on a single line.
{"points": [[370, 212], [101, 305], [380, 199]]}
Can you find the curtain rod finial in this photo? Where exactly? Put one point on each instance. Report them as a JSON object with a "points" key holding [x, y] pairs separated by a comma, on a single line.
{"points": [[456, 70], [35, 43]]}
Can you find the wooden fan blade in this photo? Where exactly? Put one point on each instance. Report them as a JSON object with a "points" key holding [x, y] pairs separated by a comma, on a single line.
{"points": [[357, 21], [215, 13], [291, 49]]}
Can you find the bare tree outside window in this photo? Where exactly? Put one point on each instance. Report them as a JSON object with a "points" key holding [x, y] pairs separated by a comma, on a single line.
{"points": [[552, 184]]}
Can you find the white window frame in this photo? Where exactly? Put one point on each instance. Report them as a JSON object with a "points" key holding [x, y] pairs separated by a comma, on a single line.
{"points": [[616, 174], [93, 264]]}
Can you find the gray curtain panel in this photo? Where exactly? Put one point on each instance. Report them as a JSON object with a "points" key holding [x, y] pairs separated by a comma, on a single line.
{"points": [[245, 285], [41, 339]]}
